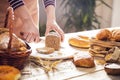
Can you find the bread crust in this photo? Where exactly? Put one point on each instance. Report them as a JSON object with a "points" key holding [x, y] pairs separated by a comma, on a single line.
{"points": [[45, 50], [84, 60], [116, 34], [104, 34], [79, 42], [9, 73], [16, 45], [53, 40]]}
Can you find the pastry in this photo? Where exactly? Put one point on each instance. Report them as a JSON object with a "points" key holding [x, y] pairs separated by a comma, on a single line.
{"points": [[16, 45], [82, 42], [83, 60], [96, 53], [104, 34], [108, 57], [45, 50], [102, 47], [53, 40], [9, 73], [116, 34]]}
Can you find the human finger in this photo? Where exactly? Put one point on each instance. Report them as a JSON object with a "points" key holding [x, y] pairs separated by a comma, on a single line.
{"points": [[47, 30], [37, 38], [61, 33], [30, 37], [62, 36], [24, 35]]}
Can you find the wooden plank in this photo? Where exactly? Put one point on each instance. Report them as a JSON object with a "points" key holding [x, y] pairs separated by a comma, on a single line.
{"points": [[66, 69], [99, 75]]}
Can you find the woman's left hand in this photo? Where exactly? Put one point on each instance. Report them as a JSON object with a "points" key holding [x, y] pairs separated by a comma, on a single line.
{"points": [[52, 25]]}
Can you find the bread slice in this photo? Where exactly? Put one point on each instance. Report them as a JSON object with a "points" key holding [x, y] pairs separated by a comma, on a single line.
{"points": [[45, 50]]}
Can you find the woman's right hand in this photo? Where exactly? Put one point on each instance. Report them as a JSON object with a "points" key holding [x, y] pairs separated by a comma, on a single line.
{"points": [[30, 32], [28, 29]]}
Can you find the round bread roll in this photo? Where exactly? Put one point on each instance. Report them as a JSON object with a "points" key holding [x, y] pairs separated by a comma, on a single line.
{"points": [[104, 34], [116, 34], [79, 42], [83, 60], [9, 73]]}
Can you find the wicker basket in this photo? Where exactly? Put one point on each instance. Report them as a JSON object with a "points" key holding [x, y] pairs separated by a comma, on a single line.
{"points": [[16, 59]]}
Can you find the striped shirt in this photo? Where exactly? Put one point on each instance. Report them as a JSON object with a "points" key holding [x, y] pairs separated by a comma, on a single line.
{"points": [[17, 3]]}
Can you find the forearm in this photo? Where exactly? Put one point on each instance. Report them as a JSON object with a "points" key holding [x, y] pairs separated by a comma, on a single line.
{"points": [[23, 13], [51, 19], [50, 8], [50, 11]]}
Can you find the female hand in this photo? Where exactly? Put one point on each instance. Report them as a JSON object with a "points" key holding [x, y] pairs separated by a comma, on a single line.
{"points": [[52, 25], [30, 32], [51, 22], [25, 27]]}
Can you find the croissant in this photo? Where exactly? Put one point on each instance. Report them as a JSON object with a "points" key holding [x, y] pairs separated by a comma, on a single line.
{"points": [[104, 34], [116, 34]]}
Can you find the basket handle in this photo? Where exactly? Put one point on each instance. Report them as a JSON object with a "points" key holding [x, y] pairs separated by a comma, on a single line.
{"points": [[9, 23], [6, 20]]}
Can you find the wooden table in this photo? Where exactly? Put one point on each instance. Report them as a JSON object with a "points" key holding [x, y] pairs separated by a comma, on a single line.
{"points": [[66, 69]]}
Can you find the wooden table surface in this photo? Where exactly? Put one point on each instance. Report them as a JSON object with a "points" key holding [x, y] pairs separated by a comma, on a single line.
{"points": [[66, 70]]}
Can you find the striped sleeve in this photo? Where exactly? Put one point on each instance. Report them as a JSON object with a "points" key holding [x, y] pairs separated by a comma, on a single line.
{"points": [[49, 2], [15, 3]]}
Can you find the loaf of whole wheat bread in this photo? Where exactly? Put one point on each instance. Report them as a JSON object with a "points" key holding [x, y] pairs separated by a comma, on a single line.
{"points": [[52, 40]]}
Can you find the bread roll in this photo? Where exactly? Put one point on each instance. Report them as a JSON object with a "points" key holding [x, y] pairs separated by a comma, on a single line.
{"points": [[84, 60], [9, 73], [17, 43], [116, 34], [104, 34], [52, 40], [79, 42]]}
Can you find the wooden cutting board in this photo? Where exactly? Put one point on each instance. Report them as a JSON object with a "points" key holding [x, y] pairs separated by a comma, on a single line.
{"points": [[65, 52]]}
